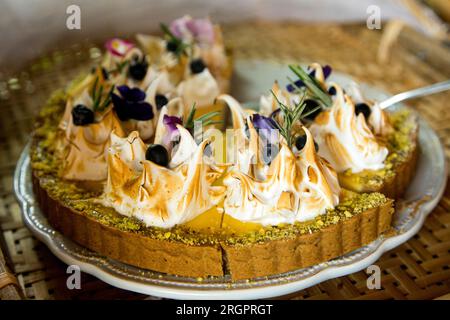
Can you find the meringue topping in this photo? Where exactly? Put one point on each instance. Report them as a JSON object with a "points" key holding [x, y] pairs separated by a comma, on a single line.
{"points": [[242, 150], [378, 119], [201, 89], [84, 148], [345, 139], [296, 188], [268, 103], [159, 196]]}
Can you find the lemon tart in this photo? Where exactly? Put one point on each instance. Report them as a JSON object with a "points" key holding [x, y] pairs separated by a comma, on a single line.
{"points": [[170, 207]]}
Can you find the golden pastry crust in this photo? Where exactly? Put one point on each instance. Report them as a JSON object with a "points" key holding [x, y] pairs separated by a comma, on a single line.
{"points": [[241, 261], [277, 256]]}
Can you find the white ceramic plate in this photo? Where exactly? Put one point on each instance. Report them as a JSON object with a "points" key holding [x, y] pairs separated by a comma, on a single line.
{"points": [[252, 78]]}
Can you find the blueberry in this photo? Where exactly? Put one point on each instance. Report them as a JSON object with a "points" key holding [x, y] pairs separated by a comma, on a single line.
{"points": [[362, 108], [197, 66], [161, 101], [311, 105], [82, 115], [172, 46], [157, 154], [300, 142], [332, 91], [138, 69]]}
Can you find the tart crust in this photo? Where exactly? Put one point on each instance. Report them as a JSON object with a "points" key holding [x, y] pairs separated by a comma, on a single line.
{"points": [[241, 261]]}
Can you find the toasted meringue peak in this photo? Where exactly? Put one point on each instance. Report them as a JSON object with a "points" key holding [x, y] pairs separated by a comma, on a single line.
{"points": [[159, 196], [245, 150], [345, 139], [184, 150], [216, 59], [318, 72], [201, 89], [296, 188], [378, 119], [84, 148], [268, 103], [238, 114]]}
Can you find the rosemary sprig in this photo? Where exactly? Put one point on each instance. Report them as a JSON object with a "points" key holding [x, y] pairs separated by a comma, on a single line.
{"points": [[180, 45], [99, 103], [291, 116], [206, 119], [312, 85]]}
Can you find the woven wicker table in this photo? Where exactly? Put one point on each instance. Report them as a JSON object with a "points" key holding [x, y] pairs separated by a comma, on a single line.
{"points": [[419, 269]]}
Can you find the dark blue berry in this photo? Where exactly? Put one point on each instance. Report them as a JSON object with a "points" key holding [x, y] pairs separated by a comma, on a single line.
{"points": [[172, 46], [311, 105], [197, 66], [160, 101], [82, 115], [157, 154], [332, 90], [138, 68], [300, 142], [363, 108]]}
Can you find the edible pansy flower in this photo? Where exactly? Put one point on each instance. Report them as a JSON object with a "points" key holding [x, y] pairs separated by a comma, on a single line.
{"points": [[267, 128], [118, 47], [299, 83], [171, 124], [187, 28], [131, 104]]}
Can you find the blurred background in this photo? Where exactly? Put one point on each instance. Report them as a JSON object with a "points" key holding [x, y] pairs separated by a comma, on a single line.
{"points": [[30, 28]]}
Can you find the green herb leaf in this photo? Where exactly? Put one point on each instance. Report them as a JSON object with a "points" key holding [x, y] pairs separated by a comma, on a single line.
{"points": [[312, 85], [206, 119], [290, 117], [98, 102], [181, 46]]}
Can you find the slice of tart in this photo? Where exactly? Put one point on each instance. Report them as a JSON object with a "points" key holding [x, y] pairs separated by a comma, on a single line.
{"points": [[371, 149]]}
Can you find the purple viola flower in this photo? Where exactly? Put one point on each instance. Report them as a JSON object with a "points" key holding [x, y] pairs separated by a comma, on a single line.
{"points": [[267, 128], [171, 124], [262, 122], [299, 83], [131, 104], [186, 28]]}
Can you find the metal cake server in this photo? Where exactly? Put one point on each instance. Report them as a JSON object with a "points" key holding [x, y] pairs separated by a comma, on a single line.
{"points": [[419, 92]]}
